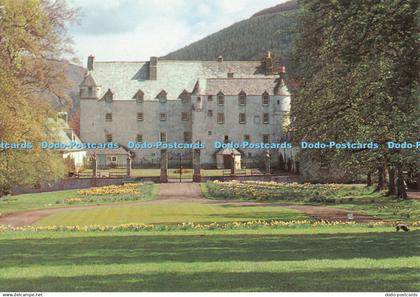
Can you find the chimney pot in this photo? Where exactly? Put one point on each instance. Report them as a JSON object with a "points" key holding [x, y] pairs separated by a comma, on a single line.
{"points": [[90, 61]]}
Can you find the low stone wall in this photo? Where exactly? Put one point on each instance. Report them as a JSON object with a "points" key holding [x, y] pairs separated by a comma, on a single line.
{"points": [[76, 183], [266, 178]]}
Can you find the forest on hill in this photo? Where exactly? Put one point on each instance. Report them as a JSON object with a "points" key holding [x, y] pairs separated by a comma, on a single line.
{"points": [[270, 29]]}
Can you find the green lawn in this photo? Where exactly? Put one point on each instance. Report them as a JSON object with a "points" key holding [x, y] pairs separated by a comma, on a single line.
{"points": [[353, 197], [34, 201], [171, 213], [353, 258], [54, 199]]}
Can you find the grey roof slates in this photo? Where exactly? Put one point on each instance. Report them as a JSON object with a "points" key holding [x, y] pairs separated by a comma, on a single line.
{"points": [[234, 86], [126, 78]]}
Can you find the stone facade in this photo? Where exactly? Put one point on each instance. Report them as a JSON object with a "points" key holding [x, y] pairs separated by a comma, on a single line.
{"points": [[184, 102]]}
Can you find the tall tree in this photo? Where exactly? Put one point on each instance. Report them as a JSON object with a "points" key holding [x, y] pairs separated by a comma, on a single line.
{"points": [[356, 61], [32, 37]]}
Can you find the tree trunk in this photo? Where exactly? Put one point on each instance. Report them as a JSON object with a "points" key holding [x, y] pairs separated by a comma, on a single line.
{"points": [[392, 187], [381, 179], [401, 187], [369, 179]]}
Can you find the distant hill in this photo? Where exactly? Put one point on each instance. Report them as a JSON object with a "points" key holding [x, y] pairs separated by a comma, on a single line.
{"points": [[75, 76], [269, 29]]}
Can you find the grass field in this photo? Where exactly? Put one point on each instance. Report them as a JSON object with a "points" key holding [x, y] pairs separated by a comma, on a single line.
{"points": [[353, 258], [171, 213], [353, 197], [23, 202]]}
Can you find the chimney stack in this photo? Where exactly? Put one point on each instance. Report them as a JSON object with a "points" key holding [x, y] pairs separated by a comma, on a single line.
{"points": [[90, 61], [268, 64], [153, 68]]}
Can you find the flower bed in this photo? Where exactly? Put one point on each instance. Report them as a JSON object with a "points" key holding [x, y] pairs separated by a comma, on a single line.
{"points": [[254, 190], [197, 226], [132, 191]]}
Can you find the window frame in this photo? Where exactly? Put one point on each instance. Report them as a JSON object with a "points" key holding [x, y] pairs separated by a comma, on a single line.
{"points": [[221, 118], [108, 117], [108, 138], [265, 97], [163, 116], [266, 120], [220, 99], [164, 138], [266, 136], [242, 120]]}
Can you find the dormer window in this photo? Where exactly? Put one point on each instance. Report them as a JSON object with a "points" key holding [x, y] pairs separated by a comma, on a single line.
{"points": [[184, 96], [230, 75], [220, 99], [265, 99], [139, 96], [242, 98], [162, 96], [109, 96]]}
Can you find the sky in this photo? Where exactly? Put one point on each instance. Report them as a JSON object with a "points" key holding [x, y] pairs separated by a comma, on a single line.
{"points": [[134, 30]]}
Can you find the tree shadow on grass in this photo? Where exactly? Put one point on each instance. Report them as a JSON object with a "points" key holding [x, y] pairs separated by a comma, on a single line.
{"points": [[143, 248], [325, 280]]}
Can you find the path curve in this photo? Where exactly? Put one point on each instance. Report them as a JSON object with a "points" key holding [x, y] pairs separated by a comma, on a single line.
{"points": [[184, 193]]}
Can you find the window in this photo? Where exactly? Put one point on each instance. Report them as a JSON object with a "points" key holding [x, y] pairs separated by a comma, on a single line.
{"points": [[266, 118], [139, 96], [187, 137], [162, 116], [230, 75], [242, 98], [249, 155], [139, 116], [220, 99], [242, 118], [162, 136], [226, 138], [247, 137], [185, 116], [209, 133], [257, 120], [209, 113], [266, 138], [114, 159], [198, 99], [210, 98], [108, 138], [265, 99], [90, 91], [220, 118], [162, 96], [139, 138], [108, 117], [109, 96]]}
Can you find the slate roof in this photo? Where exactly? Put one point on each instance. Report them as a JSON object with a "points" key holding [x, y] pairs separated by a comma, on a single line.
{"points": [[233, 86], [125, 79]]}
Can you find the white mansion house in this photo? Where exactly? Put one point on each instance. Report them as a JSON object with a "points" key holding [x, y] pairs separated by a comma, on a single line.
{"points": [[185, 102]]}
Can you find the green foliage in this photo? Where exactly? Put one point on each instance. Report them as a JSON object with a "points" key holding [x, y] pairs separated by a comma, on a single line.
{"points": [[356, 63], [32, 35]]}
